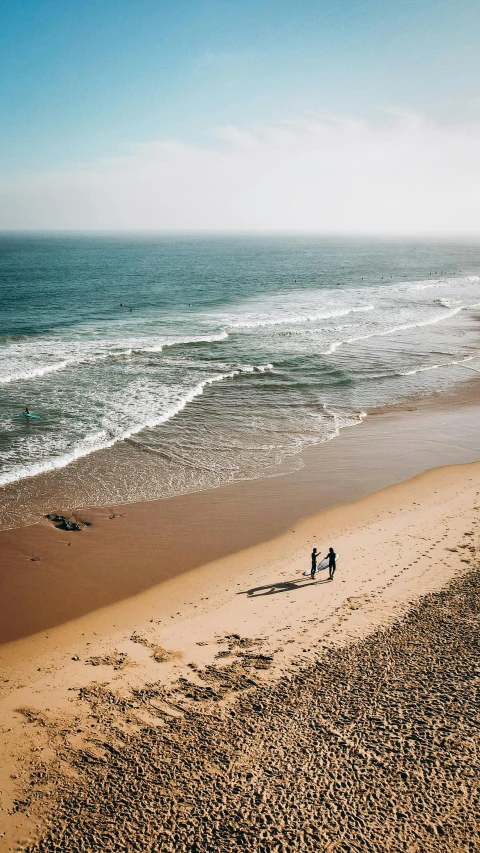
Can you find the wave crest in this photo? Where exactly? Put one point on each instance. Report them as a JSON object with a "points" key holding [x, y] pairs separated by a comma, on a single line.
{"points": [[297, 320], [383, 333], [117, 353]]}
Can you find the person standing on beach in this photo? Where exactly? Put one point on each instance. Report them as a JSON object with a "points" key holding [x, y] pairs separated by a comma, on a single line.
{"points": [[314, 563], [332, 565]]}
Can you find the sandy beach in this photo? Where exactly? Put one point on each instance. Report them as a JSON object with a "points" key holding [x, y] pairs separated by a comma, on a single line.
{"points": [[50, 576], [239, 334], [238, 704]]}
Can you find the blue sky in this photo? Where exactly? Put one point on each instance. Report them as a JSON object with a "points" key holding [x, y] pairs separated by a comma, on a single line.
{"points": [[85, 82], [80, 78]]}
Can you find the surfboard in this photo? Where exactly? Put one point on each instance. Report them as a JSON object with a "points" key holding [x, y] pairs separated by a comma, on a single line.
{"points": [[30, 415], [323, 564]]}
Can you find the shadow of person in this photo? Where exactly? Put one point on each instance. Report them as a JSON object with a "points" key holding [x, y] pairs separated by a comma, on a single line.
{"points": [[279, 586]]}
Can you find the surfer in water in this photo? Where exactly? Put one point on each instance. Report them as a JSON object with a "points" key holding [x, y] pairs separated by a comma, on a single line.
{"points": [[332, 565], [314, 563], [27, 411]]}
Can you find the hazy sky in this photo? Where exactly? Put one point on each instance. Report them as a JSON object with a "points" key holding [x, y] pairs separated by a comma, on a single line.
{"points": [[250, 114]]}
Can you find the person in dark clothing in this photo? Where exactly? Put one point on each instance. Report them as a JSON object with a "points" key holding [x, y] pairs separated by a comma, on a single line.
{"points": [[331, 563], [314, 563]]}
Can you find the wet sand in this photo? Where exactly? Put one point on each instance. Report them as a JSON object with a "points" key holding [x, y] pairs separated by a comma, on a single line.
{"points": [[50, 576]]}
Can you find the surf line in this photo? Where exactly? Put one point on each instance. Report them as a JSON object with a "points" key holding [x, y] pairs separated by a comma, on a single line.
{"points": [[336, 344], [85, 449]]}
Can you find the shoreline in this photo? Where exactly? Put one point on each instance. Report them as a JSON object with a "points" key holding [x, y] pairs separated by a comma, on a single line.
{"points": [[201, 640], [196, 600], [25, 502], [52, 576]]}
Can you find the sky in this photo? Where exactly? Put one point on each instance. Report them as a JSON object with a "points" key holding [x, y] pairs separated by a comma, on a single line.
{"points": [[341, 116]]}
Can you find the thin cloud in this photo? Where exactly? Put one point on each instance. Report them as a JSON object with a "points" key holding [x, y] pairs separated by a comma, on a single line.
{"points": [[335, 174]]}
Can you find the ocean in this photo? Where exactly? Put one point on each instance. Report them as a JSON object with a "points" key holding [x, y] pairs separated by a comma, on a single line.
{"points": [[163, 364]]}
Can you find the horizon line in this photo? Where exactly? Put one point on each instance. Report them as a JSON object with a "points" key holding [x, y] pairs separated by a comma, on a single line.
{"points": [[247, 232]]}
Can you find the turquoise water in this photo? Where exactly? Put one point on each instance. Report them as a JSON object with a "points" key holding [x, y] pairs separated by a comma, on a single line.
{"points": [[208, 359]]}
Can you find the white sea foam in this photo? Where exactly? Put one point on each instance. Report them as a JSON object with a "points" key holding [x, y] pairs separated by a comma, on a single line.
{"points": [[57, 366], [297, 319], [379, 334], [342, 420], [436, 366], [202, 339], [250, 368], [83, 358], [102, 439], [35, 372], [427, 284]]}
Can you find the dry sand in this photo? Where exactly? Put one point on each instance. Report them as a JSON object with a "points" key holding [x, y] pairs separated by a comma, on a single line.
{"points": [[241, 706]]}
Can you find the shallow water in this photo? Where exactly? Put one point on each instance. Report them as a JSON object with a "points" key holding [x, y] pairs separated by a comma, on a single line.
{"points": [[200, 360]]}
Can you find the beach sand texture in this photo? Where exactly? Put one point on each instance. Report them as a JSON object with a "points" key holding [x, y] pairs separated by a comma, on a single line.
{"points": [[372, 748], [241, 706]]}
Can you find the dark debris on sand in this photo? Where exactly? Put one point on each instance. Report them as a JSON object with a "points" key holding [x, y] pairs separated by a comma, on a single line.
{"points": [[64, 522], [373, 748]]}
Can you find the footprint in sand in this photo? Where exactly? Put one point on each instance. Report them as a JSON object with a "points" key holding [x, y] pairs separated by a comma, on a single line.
{"points": [[118, 660], [159, 654]]}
